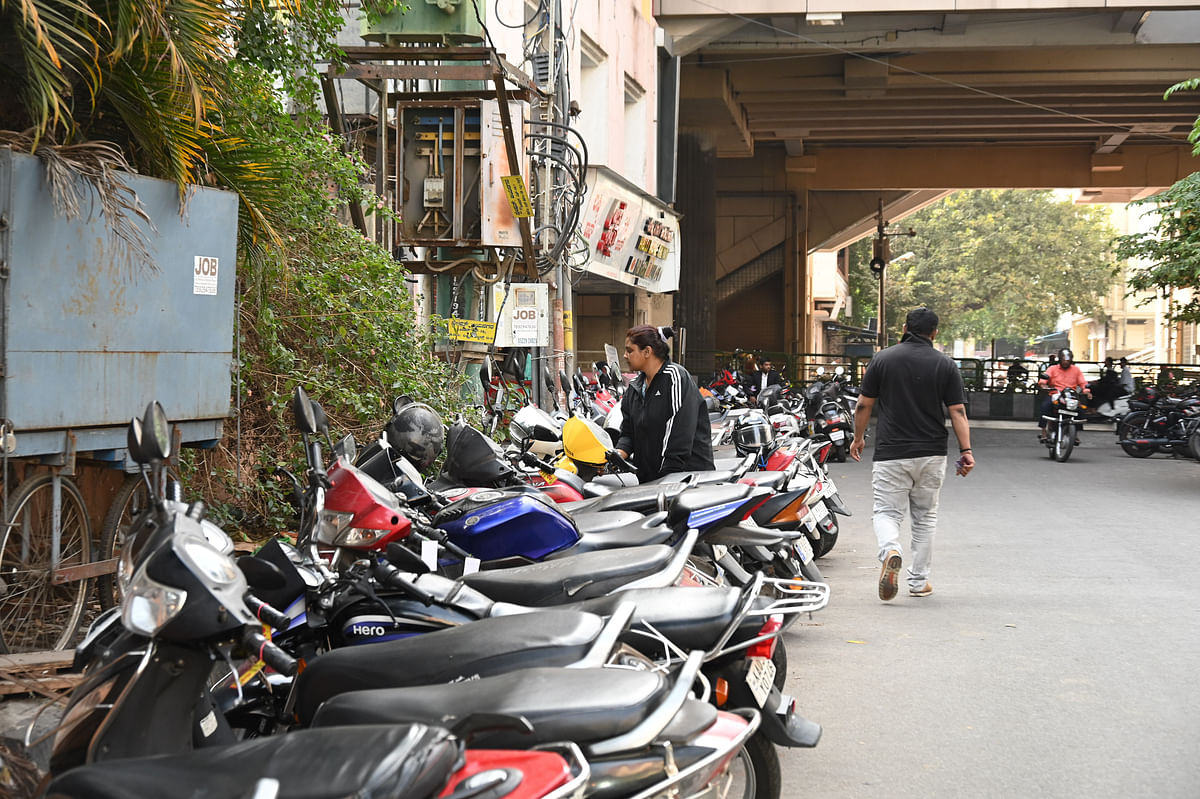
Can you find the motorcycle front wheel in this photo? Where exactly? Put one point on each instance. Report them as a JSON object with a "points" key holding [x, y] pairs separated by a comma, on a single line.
{"points": [[1064, 442], [1134, 426]]}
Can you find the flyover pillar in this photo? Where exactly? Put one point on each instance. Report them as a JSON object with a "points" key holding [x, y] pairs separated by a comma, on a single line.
{"points": [[697, 203]]}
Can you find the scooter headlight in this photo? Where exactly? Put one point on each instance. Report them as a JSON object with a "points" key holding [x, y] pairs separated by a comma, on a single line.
{"points": [[149, 605], [207, 563]]}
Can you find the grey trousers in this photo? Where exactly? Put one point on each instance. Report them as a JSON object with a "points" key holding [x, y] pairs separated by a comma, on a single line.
{"points": [[912, 484]]}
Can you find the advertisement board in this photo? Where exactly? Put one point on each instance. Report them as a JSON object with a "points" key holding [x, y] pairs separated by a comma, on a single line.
{"points": [[633, 237], [523, 319]]}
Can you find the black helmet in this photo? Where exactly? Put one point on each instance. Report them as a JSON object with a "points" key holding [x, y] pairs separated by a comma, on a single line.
{"points": [[416, 431], [1065, 354], [753, 433]]}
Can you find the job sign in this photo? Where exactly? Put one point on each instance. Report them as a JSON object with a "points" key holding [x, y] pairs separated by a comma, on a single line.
{"points": [[204, 278]]}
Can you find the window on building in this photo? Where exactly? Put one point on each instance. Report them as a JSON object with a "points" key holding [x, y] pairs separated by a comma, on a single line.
{"points": [[592, 121], [634, 166]]}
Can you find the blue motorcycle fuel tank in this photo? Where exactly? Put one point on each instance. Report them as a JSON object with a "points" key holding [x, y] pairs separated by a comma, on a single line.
{"points": [[492, 524]]}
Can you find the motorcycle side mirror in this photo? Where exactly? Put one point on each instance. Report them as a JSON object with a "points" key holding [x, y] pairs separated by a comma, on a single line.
{"points": [[839, 371], [302, 412], [564, 381], [346, 448], [156, 434], [133, 442], [820, 370], [319, 417], [261, 574], [404, 558]]}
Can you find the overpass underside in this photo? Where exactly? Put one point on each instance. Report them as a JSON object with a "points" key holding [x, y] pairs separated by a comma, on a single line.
{"points": [[791, 133]]}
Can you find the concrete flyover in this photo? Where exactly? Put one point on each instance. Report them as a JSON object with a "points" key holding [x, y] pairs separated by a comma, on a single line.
{"points": [[805, 116]]}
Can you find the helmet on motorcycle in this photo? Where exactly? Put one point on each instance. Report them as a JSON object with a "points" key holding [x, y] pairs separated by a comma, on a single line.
{"points": [[416, 431], [533, 427], [1065, 355], [753, 433]]}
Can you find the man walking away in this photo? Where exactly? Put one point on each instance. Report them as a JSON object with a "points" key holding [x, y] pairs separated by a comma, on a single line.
{"points": [[911, 382]]}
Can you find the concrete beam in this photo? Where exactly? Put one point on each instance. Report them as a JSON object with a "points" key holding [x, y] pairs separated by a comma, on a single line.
{"points": [[707, 105], [838, 219], [991, 167]]}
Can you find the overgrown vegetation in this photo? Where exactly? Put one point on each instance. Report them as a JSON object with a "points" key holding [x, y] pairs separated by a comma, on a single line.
{"points": [[189, 90]]}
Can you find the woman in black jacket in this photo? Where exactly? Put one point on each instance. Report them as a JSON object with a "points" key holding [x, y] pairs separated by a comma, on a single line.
{"points": [[664, 420]]}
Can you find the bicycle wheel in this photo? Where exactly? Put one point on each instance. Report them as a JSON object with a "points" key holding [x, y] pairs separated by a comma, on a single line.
{"points": [[36, 615], [130, 500]]}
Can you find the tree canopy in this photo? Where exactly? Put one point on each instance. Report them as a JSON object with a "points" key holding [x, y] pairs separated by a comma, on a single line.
{"points": [[1167, 256], [997, 264]]}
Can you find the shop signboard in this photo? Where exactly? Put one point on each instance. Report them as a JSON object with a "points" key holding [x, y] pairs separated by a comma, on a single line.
{"points": [[633, 237]]}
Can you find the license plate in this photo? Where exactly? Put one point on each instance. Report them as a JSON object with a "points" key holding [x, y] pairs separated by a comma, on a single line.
{"points": [[820, 511], [760, 677], [837, 436], [810, 521], [804, 549]]}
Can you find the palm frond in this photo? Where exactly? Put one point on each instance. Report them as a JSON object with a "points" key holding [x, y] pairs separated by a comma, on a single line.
{"points": [[98, 165]]}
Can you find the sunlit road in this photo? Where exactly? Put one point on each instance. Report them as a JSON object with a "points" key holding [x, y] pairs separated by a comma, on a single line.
{"points": [[1058, 657]]}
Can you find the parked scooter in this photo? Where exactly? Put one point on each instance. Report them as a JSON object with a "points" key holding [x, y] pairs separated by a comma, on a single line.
{"points": [[141, 722]]}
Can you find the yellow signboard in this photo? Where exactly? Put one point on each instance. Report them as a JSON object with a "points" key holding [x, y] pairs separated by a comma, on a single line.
{"points": [[518, 197], [472, 330]]}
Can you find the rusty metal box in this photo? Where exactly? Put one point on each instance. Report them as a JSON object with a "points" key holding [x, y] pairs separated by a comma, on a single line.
{"points": [[88, 337]]}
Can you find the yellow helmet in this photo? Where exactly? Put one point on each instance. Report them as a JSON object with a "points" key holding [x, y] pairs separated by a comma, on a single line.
{"points": [[586, 442]]}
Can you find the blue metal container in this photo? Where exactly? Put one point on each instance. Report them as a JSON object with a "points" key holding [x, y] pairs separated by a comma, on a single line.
{"points": [[88, 338]]}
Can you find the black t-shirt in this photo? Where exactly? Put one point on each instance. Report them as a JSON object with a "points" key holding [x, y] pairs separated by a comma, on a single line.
{"points": [[911, 382]]}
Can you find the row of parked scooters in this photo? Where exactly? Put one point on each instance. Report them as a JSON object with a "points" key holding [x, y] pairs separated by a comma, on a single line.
{"points": [[524, 625]]}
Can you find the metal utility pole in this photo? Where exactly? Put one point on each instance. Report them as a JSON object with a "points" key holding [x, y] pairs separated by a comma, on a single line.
{"points": [[880, 259]]}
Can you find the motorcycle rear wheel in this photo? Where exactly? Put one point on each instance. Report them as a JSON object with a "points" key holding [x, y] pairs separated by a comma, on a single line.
{"points": [[756, 771], [1194, 443], [828, 539], [1064, 442], [1133, 426]]}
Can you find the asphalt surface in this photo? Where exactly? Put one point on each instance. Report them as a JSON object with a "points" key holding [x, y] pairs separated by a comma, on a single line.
{"points": [[1057, 657]]}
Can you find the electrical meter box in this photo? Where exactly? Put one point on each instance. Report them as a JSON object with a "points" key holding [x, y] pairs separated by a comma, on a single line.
{"points": [[452, 154], [449, 21]]}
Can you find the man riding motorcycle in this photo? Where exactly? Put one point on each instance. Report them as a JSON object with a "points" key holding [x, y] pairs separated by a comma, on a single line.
{"points": [[1064, 374]]}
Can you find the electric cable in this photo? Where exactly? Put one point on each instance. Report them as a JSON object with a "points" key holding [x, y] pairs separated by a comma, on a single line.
{"points": [[496, 13]]}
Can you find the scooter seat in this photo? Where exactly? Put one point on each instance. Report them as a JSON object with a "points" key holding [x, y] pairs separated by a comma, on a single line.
{"points": [[705, 496], [375, 761], [769, 479], [641, 499], [727, 464], [647, 530], [582, 576], [691, 620], [580, 705], [697, 478], [604, 520], [488, 646]]}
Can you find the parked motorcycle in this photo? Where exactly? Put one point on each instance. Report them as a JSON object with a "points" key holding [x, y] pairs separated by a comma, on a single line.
{"points": [[142, 723], [1158, 423]]}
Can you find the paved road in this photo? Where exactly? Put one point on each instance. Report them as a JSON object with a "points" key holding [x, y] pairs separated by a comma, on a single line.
{"points": [[1058, 657]]}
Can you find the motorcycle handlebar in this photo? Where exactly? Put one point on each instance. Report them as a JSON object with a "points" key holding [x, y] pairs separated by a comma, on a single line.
{"points": [[266, 613], [388, 575], [256, 643]]}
